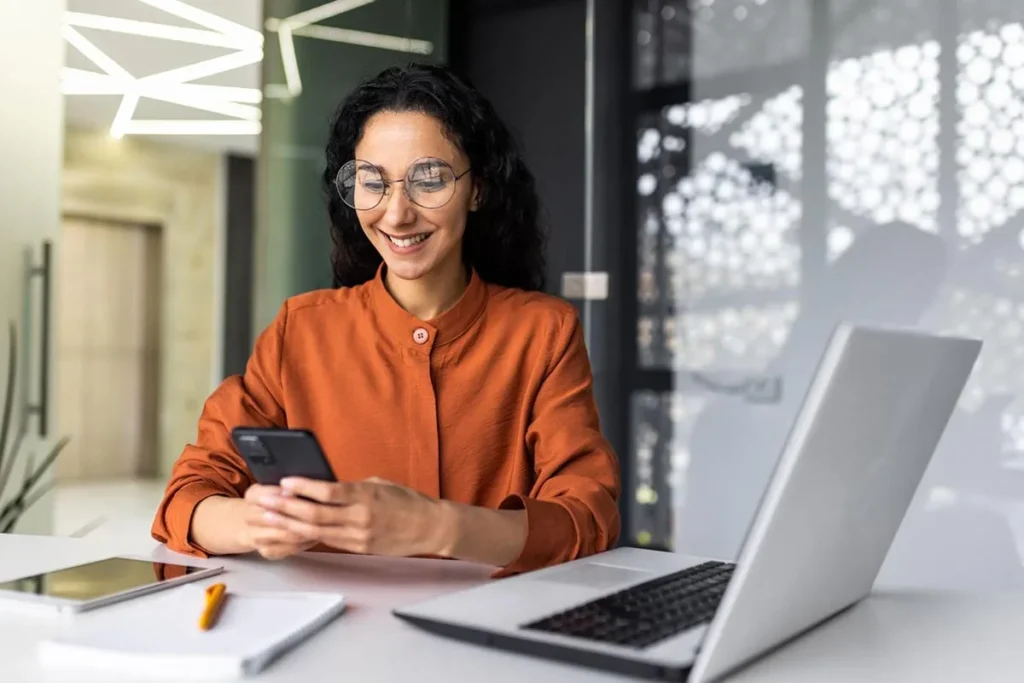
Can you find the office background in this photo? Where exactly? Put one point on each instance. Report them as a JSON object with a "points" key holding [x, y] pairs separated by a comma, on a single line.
{"points": [[746, 173]]}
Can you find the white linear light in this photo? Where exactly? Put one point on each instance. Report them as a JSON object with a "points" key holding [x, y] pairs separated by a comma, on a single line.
{"points": [[207, 19], [185, 127], [80, 82], [244, 112], [124, 115], [292, 77], [303, 24], [172, 85], [366, 39], [331, 9], [187, 95], [93, 53], [209, 67], [84, 82], [151, 30]]}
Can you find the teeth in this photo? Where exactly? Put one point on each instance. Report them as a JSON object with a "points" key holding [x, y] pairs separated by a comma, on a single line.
{"points": [[408, 242]]}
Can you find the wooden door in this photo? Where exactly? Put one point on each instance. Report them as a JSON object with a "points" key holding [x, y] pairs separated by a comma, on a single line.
{"points": [[107, 352]]}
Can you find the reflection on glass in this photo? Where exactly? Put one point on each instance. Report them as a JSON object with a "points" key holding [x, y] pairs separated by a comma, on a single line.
{"points": [[924, 226], [708, 38], [98, 579], [662, 424]]}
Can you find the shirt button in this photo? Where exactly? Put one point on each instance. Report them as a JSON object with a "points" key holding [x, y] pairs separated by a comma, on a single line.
{"points": [[420, 335]]}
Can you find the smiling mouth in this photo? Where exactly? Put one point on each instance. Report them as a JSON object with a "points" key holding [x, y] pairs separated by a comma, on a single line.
{"points": [[409, 241]]}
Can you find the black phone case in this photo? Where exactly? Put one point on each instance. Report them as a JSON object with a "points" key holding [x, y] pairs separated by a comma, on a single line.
{"points": [[273, 454]]}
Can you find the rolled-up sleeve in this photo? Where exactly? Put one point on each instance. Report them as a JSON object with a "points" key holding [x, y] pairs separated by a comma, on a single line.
{"points": [[212, 466], [572, 510]]}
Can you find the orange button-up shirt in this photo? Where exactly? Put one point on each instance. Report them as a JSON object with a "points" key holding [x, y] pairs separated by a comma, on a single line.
{"points": [[489, 404]]}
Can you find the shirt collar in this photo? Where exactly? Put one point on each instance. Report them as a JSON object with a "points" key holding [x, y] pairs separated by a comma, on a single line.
{"points": [[409, 330]]}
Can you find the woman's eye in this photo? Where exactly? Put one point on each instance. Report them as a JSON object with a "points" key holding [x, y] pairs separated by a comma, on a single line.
{"points": [[372, 185], [430, 184]]}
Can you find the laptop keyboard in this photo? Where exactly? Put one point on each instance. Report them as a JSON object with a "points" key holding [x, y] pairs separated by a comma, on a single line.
{"points": [[649, 612]]}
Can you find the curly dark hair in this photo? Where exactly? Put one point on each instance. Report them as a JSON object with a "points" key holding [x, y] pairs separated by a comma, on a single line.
{"points": [[504, 240]]}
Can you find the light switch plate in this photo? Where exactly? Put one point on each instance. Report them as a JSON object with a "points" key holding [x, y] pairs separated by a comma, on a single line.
{"points": [[591, 286]]}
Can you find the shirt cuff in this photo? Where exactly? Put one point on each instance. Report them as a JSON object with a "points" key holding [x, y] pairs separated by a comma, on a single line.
{"points": [[177, 518], [550, 535]]}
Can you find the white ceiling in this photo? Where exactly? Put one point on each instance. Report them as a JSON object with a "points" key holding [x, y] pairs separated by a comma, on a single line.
{"points": [[142, 56]]}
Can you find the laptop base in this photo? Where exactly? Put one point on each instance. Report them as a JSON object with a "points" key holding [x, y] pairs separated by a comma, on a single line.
{"points": [[552, 651]]}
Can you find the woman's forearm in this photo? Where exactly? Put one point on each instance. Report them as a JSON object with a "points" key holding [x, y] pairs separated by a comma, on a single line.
{"points": [[484, 535], [218, 526]]}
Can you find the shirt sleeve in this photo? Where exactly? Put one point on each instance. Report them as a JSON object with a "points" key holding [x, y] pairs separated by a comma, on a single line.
{"points": [[212, 466], [572, 510]]}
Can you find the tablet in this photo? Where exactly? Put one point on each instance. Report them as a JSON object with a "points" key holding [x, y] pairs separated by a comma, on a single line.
{"points": [[95, 584]]}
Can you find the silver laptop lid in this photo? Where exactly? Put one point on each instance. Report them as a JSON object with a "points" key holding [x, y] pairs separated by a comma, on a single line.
{"points": [[856, 453]]}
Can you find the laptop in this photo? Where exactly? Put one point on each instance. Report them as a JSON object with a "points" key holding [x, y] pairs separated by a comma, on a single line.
{"points": [[870, 420]]}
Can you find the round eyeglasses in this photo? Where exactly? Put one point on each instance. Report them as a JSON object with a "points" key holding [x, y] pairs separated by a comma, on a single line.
{"points": [[429, 183]]}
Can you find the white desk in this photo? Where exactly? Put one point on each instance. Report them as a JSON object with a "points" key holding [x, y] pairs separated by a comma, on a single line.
{"points": [[905, 638]]}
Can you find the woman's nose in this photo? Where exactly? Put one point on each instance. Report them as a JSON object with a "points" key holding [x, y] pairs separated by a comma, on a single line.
{"points": [[398, 209]]}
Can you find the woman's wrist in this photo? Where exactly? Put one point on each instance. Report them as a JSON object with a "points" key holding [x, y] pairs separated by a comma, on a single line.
{"points": [[445, 528], [478, 534], [218, 526]]}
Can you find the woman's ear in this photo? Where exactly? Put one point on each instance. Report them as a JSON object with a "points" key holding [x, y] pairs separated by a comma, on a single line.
{"points": [[474, 200]]}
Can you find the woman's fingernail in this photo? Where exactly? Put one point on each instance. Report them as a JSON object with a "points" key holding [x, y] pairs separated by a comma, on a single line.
{"points": [[272, 517], [272, 501]]}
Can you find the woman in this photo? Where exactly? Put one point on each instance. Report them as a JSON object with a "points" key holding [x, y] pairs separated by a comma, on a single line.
{"points": [[451, 397]]}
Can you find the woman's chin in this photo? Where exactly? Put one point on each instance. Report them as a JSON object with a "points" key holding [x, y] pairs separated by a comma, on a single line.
{"points": [[406, 268]]}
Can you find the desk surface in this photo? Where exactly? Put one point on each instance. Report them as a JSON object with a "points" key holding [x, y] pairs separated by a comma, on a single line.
{"points": [[911, 638]]}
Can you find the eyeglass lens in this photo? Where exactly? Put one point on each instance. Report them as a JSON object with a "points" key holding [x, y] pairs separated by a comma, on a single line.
{"points": [[430, 183]]}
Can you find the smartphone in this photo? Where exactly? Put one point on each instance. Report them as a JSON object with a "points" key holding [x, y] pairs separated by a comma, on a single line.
{"points": [[273, 454]]}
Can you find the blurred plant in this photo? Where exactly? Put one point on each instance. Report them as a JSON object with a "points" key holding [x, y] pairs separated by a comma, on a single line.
{"points": [[29, 493]]}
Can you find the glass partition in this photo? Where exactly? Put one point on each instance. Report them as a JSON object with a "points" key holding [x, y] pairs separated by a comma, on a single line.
{"points": [[805, 161]]}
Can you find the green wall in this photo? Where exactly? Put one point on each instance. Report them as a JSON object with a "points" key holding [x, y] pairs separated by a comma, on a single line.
{"points": [[293, 244]]}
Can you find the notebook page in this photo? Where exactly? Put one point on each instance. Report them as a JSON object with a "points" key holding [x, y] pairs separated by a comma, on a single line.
{"points": [[249, 626]]}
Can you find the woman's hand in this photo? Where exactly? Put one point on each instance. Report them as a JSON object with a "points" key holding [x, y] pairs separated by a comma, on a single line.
{"points": [[223, 525], [260, 533], [369, 517]]}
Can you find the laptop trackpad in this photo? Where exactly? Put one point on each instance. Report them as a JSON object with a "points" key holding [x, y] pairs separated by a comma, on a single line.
{"points": [[593, 575]]}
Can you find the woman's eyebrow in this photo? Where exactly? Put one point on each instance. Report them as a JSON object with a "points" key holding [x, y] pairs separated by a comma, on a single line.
{"points": [[428, 162]]}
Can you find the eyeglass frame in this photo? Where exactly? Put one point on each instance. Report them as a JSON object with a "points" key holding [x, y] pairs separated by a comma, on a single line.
{"points": [[405, 187]]}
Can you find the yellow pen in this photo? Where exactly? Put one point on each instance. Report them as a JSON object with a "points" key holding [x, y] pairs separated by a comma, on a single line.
{"points": [[215, 596]]}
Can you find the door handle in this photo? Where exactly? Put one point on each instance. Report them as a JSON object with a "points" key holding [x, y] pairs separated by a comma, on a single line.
{"points": [[43, 271]]}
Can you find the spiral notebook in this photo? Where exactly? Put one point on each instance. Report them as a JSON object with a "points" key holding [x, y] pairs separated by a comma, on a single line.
{"points": [[158, 636]]}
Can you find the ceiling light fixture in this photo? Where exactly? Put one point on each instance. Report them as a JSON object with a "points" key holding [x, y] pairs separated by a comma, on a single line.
{"points": [[124, 115], [79, 82], [244, 112], [185, 127], [366, 39], [174, 85], [304, 24], [148, 29], [93, 53], [207, 19], [209, 67]]}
